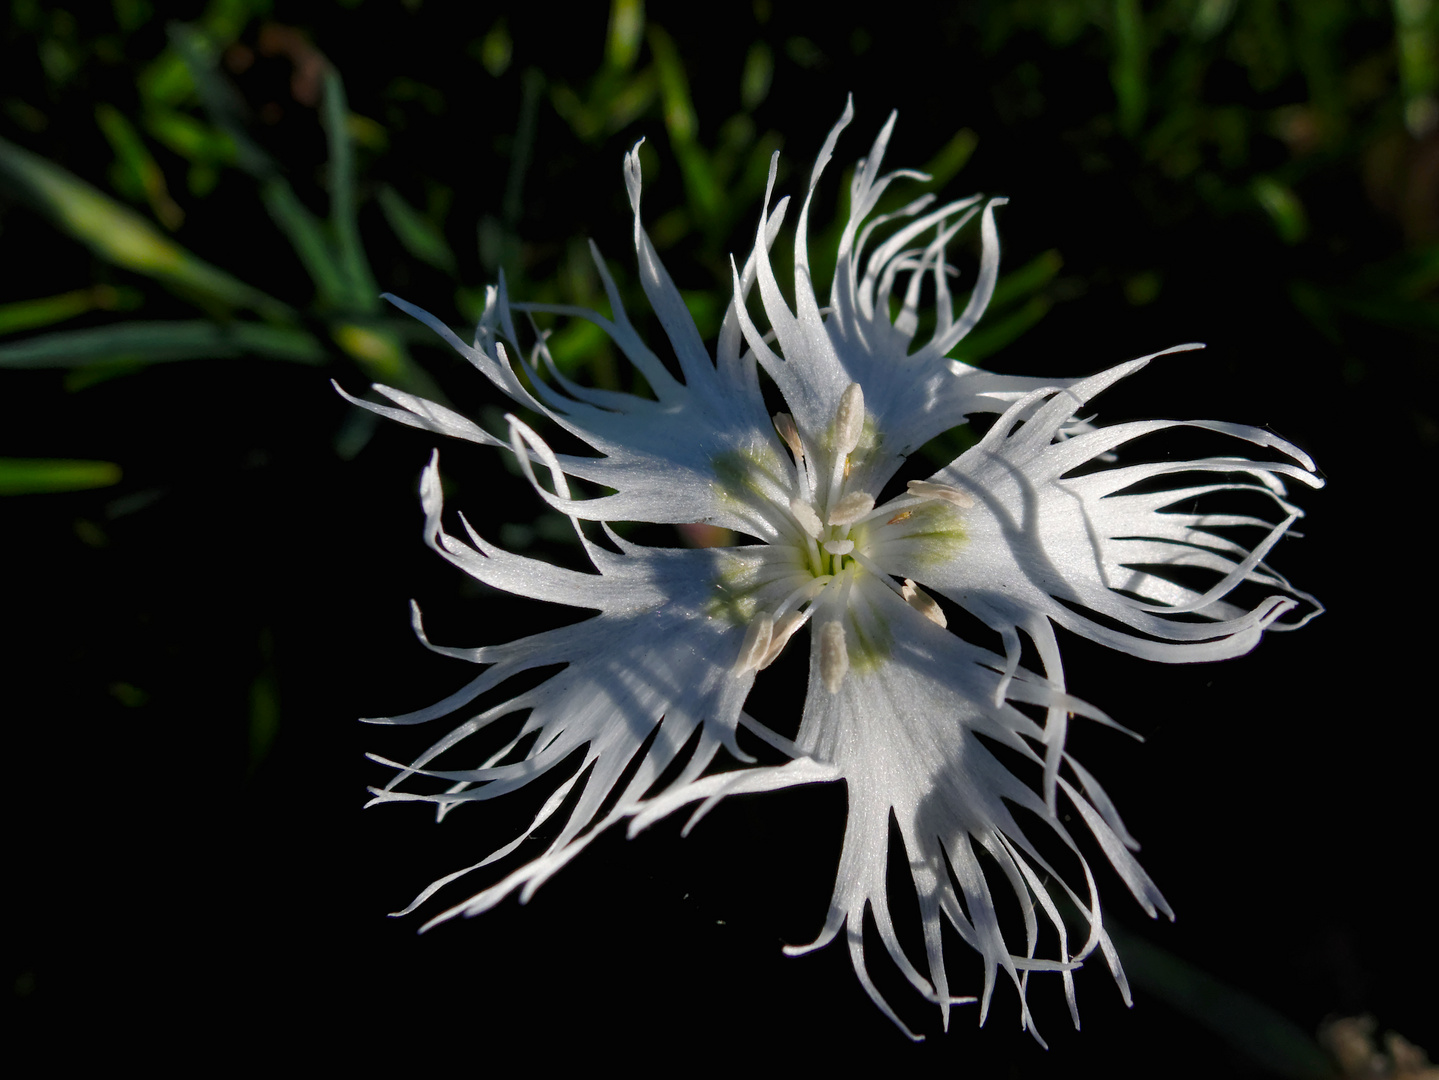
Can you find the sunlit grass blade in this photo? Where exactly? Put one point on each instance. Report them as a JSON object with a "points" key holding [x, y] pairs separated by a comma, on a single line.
{"points": [[157, 342], [361, 292], [1027, 279], [1017, 305], [118, 235], [682, 124], [48, 310], [415, 231], [137, 174], [38, 476]]}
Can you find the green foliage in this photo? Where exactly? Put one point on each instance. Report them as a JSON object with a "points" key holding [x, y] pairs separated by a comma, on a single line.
{"points": [[30, 476], [206, 220]]}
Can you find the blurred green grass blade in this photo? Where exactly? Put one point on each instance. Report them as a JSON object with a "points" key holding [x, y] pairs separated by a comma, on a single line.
{"points": [[138, 174], [307, 236], [627, 29], [991, 335], [1017, 304], [1029, 278], [301, 228], [758, 75], [382, 355], [1127, 71], [679, 111], [415, 231], [159, 342], [362, 293], [34, 476], [1417, 29], [1280, 202], [48, 310], [264, 723], [952, 157], [219, 100], [119, 235], [1247, 1024], [193, 139], [682, 124]]}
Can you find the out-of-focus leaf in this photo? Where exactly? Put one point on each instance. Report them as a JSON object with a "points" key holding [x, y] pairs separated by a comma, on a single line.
{"points": [[200, 57], [680, 120], [119, 235], [307, 237], [1127, 73], [264, 722], [704, 194], [305, 233], [166, 81], [627, 30], [952, 157], [993, 334], [362, 294], [1210, 17], [138, 173], [758, 73], [1417, 27], [48, 310], [33, 476], [495, 49], [383, 358], [191, 138], [1263, 1035], [416, 232], [1279, 201], [1029, 278], [157, 342]]}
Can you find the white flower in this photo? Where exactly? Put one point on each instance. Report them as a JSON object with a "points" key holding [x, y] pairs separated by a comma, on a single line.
{"points": [[1033, 527]]}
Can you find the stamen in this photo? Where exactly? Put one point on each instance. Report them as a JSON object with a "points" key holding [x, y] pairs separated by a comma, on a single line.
{"points": [[943, 492], [833, 656], [838, 547], [849, 420], [851, 508], [756, 644], [783, 631], [808, 520], [806, 592], [784, 424], [923, 603]]}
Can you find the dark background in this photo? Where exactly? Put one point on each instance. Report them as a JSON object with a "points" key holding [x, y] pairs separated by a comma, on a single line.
{"points": [[189, 646]]}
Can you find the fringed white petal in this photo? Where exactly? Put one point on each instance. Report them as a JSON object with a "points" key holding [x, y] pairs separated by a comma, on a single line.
{"points": [[904, 734], [1088, 553], [652, 671], [1037, 526], [911, 393]]}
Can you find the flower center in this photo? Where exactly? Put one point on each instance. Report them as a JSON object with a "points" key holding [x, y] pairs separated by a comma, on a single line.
{"points": [[837, 541]]}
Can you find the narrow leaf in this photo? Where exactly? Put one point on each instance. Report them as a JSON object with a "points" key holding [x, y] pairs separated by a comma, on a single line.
{"points": [[157, 342], [33, 476], [119, 235]]}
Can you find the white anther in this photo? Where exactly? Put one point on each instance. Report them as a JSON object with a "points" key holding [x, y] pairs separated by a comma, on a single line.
{"points": [[943, 492], [839, 547], [833, 656], [784, 424], [783, 631], [756, 644], [808, 520], [922, 602], [849, 419], [851, 508]]}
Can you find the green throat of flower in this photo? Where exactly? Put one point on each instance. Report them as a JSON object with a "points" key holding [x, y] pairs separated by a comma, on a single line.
{"points": [[829, 544]]}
